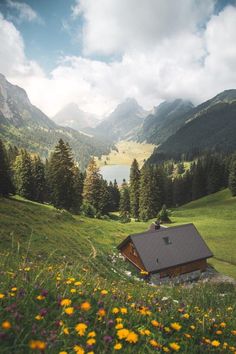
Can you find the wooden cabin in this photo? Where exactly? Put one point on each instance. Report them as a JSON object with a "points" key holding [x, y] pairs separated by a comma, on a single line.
{"points": [[167, 252]]}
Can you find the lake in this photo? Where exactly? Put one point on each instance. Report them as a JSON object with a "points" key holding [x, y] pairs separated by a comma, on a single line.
{"points": [[118, 172]]}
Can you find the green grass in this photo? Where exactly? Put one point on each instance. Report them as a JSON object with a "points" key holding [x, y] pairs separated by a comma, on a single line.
{"points": [[214, 216], [47, 251], [127, 151]]}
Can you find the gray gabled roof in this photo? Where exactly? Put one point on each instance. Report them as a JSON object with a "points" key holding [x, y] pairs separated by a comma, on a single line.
{"points": [[171, 246]]}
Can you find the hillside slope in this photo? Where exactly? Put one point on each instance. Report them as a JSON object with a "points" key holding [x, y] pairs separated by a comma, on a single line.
{"points": [[211, 126], [166, 119], [24, 125], [214, 216], [60, 234], [64, 290]]}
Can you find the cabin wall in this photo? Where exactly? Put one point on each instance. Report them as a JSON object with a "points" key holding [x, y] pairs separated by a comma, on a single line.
{"points": [[184, 268], [129, 252]]}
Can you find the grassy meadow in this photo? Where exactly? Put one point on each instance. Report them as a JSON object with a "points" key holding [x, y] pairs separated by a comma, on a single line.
{"points": [[64, 289], [127, 151]]}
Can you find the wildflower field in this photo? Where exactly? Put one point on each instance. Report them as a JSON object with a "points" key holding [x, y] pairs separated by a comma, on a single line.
{"points": [[64, 289]]}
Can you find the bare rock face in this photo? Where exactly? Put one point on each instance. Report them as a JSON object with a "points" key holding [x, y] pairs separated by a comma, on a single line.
{"points": [[16, 109]]}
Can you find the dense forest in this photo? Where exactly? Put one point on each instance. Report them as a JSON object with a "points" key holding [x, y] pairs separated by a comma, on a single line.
{"points": [[58, 181]]}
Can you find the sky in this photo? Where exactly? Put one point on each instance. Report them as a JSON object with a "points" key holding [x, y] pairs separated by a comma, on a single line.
{"points": [[97, 53]]}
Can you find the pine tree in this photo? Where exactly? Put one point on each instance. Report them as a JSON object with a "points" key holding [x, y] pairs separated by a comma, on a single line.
{"points": [[146, 207], [114, 196], [61, 176], [23, 175], [38, 173], [124, 199], [93, 186], [134, 189], [78, 179], [6, 185], [232, 178], [199, 180]]}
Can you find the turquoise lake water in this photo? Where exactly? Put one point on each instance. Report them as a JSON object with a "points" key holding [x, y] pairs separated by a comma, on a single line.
{"points": [[118, 172]]}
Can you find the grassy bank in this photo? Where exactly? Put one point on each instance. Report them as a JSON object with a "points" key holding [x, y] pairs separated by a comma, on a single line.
{"points": [[63, 289]]}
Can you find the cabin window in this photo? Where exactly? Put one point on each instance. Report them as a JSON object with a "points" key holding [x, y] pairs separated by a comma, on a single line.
{"points": [[157, 260], [167, 240]]}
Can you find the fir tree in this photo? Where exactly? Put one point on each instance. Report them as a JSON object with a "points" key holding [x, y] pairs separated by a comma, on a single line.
{"points": [[124, 199], [134, 189], [6, 185], [232, 178], [38, 173], [93, 186], [78, 180], [114, 196], [146, 207], [23, 175], [61, 177]]}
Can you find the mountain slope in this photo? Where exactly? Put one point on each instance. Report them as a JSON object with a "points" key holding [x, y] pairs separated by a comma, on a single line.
{"points": [[24, 125], [123, 121], [166, 119], [210, 127], [72, 116]]}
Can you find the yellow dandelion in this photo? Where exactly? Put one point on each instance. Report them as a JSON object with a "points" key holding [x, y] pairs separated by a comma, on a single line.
{"points": [[14, 289], [132, 337], [154, 343], [91, 341], [81, 328], [1, 296], [37, 344], [119, 319], [65, 302], [117, 346], [174, 346], [167, 329], [77, 283], [63, 352], [102, 312], [233, 332], [165, 349], [119, 326], [69, 310], [66, 331], [85, 306], [78, 349], [155, 323], [222, 324], [122, 333], [186, 315], [115, 310], [91, 334], [123, 310], [6, 325], [40, 297], [38, 317], [176, 326], [73, 291], [104, 292], [215, 343]]}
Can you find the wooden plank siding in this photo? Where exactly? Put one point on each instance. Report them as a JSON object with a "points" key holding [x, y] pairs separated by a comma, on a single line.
{"points": [[184, 268], [128, 251]]}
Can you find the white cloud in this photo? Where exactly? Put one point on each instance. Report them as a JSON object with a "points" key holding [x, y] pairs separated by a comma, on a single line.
{"points": [[24, 12], [189, 61], [123, 25]]}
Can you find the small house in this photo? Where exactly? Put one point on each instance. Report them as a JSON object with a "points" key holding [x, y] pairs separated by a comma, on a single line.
{"points": [[167, 252]]}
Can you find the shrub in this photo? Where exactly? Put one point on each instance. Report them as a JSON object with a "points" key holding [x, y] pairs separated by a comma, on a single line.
{"points": [[88, 210]]}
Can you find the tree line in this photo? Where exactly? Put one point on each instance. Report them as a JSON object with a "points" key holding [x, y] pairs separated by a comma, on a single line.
{"points": [[60, 182]]}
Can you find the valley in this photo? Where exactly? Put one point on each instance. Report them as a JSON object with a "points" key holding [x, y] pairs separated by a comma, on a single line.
{"points": [[125, 152]]}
